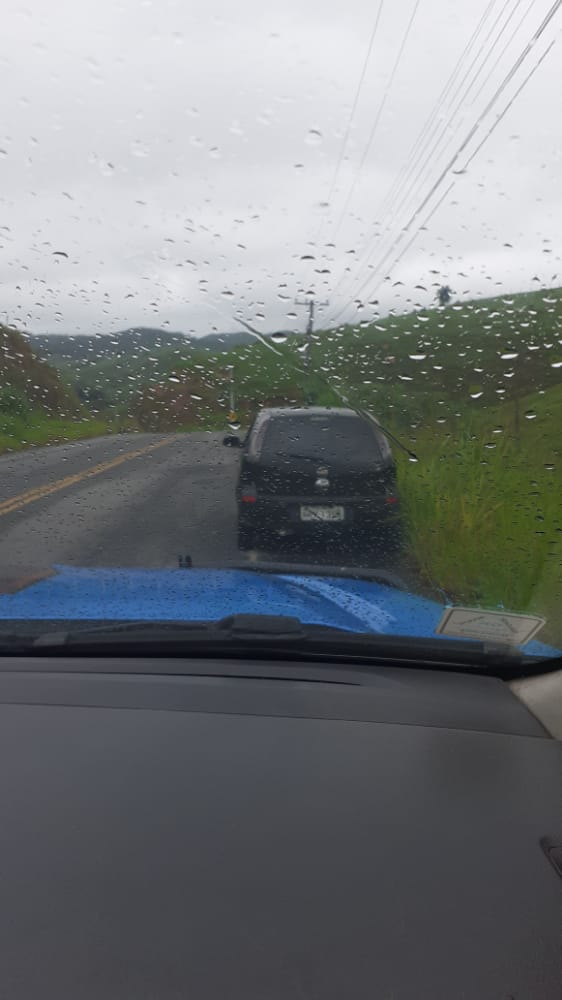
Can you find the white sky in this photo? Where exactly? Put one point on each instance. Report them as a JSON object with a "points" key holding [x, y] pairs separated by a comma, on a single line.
{"points": [[170, 148]]}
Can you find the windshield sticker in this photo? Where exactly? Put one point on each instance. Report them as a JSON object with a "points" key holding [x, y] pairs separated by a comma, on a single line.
{"points": [[495, 626]]}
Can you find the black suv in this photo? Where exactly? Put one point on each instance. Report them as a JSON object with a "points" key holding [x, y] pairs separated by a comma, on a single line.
{"points": [[315, 470]]}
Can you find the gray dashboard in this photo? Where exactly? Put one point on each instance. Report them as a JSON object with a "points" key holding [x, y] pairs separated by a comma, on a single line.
{"points": [[287, 832]]}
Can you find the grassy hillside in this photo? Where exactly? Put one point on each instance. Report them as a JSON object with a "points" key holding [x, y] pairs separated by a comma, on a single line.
{"points": [[36, 405], [417, 368], [82, 348]]}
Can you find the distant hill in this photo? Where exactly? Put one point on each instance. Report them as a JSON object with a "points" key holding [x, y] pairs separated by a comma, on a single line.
{"points": [[225, 341], [106, 370], [70, 348], [80, 348]]}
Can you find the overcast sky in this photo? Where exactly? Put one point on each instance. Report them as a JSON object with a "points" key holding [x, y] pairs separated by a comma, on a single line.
{"points": [[184, 155]]}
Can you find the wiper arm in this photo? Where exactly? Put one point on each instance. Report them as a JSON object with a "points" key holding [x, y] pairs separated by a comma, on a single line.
{"points": [[373, 575], [282, 455]]}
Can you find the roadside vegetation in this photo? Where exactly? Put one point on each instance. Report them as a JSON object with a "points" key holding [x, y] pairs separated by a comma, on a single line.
{"points": [[37, 406]]}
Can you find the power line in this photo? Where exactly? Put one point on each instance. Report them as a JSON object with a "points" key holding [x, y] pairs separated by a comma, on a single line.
{"points": [[507, 107], [421, 141], [355, 102], [424, 224], [504, 50], [406, 248], [343, 147], [405, 187], [377, 117], [439, 104], [509, 76], [442, 132], [468, 138], [445, 127]]}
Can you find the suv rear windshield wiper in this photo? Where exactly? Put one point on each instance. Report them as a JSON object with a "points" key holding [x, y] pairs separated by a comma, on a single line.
{"points": [[282, 637], [297, 454]]}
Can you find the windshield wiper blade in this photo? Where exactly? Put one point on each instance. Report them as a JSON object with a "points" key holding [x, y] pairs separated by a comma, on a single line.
{"points": [[283, 637], [234, 626], [12, 643]]}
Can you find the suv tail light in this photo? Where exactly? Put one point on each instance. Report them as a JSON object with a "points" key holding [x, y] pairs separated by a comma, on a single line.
{"points": [[249, 493]]}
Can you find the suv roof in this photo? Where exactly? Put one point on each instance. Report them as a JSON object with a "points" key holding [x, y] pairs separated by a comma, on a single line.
{"points": [[272, 419], [312, 411]]}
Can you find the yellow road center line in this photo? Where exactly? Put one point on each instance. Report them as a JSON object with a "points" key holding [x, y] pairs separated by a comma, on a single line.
{"points": [[30, 496]]}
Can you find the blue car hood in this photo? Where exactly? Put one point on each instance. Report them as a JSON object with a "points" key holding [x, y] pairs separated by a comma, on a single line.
{"points": [[209, 594]]}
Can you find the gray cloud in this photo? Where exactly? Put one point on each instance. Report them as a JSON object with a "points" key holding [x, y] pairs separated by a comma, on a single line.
{"points": [[171, 150]]}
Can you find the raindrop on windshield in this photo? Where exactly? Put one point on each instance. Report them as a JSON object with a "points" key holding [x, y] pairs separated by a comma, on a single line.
{"points": [[139, 149], [313, 137]]}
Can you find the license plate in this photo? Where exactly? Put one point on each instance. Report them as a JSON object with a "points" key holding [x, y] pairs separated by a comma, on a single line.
{"points": [[324, 514]]}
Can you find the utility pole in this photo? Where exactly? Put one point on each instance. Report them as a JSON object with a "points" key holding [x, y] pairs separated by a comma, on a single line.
{"points": [[232, 415], [311, 306]]}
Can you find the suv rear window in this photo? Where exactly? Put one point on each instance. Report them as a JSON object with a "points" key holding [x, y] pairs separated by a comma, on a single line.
{"points": [[348, 439]]}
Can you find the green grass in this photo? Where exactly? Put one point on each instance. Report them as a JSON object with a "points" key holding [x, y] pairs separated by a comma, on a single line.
{"points": [[484, 527], [17, 433], [483, 511]]}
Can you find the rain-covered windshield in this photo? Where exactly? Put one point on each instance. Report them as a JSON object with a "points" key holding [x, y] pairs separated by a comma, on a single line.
{"points": [[237, 235]]}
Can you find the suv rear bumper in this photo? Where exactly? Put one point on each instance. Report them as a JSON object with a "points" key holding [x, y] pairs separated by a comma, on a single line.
{"points": [[279, 516]]}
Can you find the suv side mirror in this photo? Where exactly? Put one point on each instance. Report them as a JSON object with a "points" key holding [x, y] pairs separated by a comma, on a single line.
{"points": [[231, 441]]}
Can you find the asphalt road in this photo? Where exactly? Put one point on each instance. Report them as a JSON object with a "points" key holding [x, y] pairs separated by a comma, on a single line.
{"points": [[137, 500], [129, 500]]}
